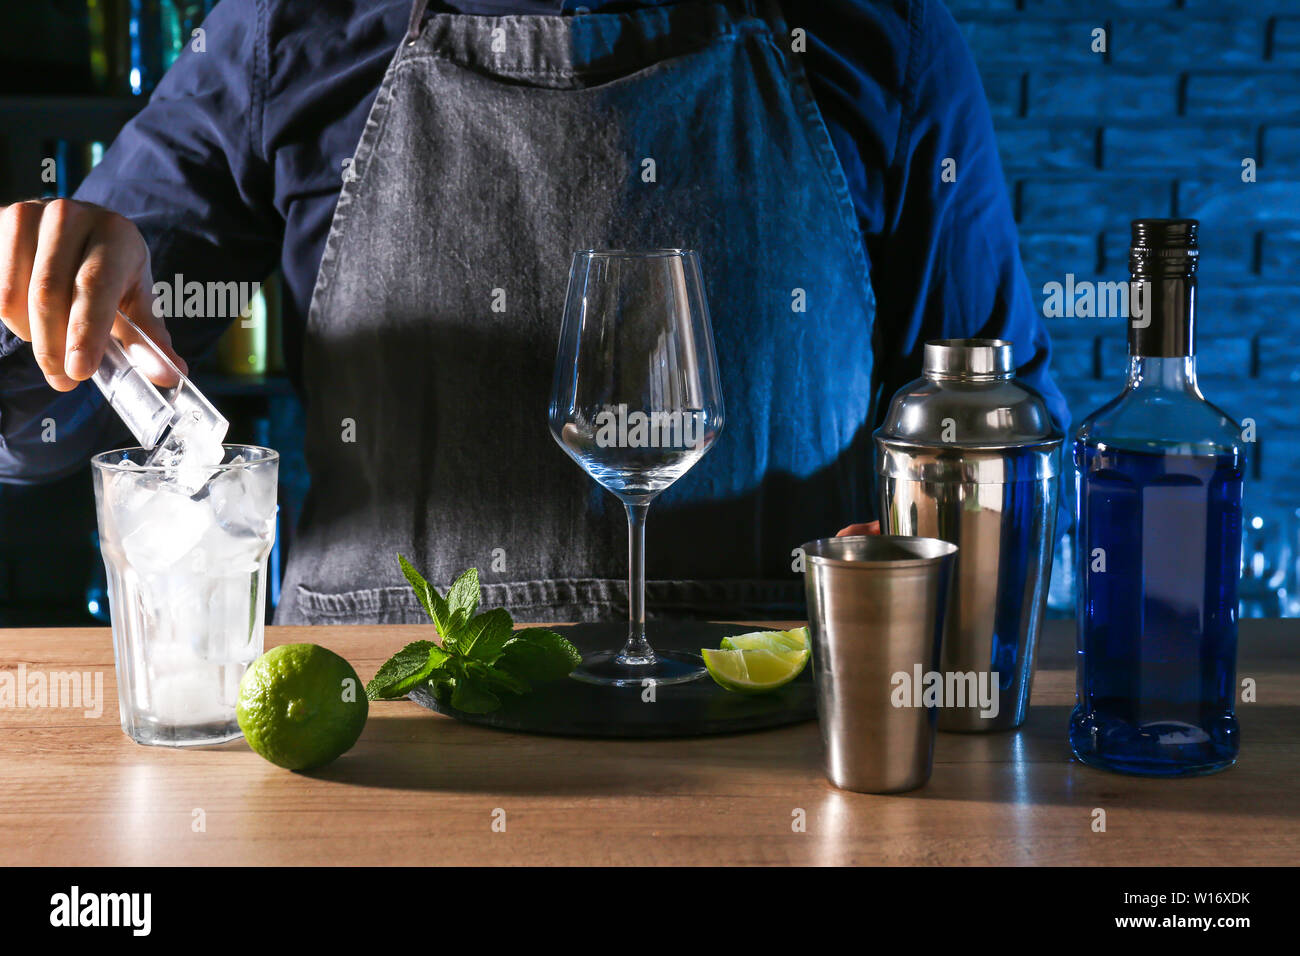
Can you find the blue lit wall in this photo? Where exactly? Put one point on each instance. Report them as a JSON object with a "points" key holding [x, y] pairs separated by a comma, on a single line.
{"points": [[1159, 125]]}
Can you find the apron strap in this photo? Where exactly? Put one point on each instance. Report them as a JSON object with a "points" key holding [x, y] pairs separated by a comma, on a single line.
{"points": [[417, 14]]}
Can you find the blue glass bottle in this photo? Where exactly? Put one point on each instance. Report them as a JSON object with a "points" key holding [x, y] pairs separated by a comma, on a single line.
{"points": [[1159, 481]]}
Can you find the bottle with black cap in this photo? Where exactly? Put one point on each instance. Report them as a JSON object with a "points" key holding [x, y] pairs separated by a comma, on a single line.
{"points": [[1159, 482]]}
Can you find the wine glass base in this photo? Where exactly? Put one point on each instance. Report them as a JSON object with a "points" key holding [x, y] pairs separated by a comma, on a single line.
{"points": [[613, 669]]}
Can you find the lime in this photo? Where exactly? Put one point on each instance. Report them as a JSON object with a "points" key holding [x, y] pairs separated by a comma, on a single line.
{"points": [[796, 640], [754, 671], [301, 706]]}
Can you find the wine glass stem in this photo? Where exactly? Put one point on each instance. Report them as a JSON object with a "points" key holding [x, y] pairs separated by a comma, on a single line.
{"points": [[637, 650]]}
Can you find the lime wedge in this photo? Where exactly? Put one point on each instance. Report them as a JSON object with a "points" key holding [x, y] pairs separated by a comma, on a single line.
{"points": [[754, 671], [777, 641]]}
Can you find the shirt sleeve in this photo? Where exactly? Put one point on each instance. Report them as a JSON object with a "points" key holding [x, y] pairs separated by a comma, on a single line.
{"points": [[946, 260], [190, 171]]}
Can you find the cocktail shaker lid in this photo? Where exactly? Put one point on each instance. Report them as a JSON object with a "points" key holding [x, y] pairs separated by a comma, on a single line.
{"points": [[983, 359], [964, 416]]}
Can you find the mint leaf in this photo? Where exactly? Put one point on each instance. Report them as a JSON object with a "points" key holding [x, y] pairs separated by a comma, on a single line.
{"points": [[406, 670], [481, 655], [463, 597], [442, 685], [538, 654], [471, 697], [418, 584], [495, 679], [483, 638], [430, 600]]}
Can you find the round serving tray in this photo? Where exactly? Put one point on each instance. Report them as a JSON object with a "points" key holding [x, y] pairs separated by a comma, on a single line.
{"points": [[571, 708]]}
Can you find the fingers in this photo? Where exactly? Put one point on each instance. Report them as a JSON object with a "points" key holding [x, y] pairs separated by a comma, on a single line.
{"points": [[66, 269], [64, 229], [869, 527], [158, 332], [101, 281], [138, 350], [138, 306], [19, 228]]}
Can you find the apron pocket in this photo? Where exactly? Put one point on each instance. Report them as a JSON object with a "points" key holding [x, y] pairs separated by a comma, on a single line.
{"points": [[396, 605], [570, 600], [567, 600]]}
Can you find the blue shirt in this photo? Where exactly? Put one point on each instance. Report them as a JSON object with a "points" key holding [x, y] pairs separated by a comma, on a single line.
{"points": [[235, 166]]}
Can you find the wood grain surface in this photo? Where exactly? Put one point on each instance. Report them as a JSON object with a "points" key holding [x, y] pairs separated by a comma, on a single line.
{"points": [[422, 789]]}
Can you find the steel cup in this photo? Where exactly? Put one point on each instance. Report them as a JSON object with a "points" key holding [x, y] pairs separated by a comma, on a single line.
{"points": [[876, 608]]}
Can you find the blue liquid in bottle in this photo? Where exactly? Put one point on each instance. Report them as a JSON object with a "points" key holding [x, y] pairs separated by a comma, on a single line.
{"points": [[1159, 481], [1158, 620]]}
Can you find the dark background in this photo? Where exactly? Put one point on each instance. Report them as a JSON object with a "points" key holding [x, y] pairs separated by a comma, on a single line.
{"points": [[1158, 124]]}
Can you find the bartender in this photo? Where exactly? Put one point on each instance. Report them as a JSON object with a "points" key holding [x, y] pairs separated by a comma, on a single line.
{"points": [[421, 173]]}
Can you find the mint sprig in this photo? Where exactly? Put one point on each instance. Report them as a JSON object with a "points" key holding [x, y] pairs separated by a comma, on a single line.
{"points": [[406, 670], [482, 656], [539, 655]]}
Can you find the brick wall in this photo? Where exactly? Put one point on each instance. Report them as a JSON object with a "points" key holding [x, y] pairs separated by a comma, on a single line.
{"points": [[1158, 125]]}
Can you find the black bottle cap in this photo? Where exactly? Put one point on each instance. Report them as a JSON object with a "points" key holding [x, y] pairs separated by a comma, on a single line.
{"points": [[1163, 248], [1163, 257]]}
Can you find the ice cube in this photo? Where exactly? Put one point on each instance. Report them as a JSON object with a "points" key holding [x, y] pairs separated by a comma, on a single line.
{"points": [[233, 495], [187, 694], [220, 553], [231, 615], [190, 452], [170, 525], [127, 497]]}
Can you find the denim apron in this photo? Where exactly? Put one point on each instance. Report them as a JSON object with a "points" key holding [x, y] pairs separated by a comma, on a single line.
{"points": [[496, 147]]}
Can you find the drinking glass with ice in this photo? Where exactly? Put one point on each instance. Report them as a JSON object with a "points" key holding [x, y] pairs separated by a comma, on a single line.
{"points": [[185, 527], [186, 585]]}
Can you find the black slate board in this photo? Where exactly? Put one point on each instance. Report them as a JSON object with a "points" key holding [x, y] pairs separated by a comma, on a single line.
{"points": [[571, 708]]}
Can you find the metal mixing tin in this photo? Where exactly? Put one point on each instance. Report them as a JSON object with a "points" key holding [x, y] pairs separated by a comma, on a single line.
{"points": [[970, 455]]}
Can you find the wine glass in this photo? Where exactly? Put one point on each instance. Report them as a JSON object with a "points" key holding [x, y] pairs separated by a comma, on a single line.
{"points": [[636, 402]]}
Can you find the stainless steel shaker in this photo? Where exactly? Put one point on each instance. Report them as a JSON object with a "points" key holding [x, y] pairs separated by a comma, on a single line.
{"points": [[876, 607], [970, 455]]}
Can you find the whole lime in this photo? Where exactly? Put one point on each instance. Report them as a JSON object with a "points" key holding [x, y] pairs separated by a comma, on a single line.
{"points": [[301, 706]]}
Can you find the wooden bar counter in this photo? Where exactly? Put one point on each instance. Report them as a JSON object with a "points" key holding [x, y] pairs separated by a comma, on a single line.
{"points": [[419, 788]]}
